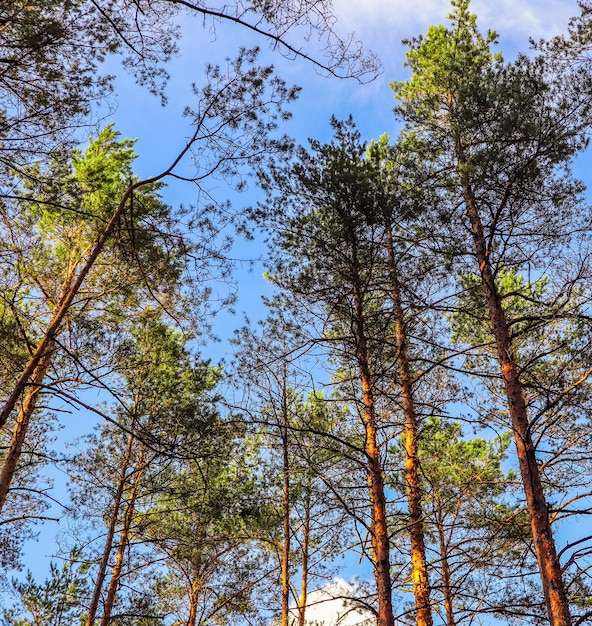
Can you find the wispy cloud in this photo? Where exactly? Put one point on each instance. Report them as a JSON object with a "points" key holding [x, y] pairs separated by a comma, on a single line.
{"points": [[379, 22]]}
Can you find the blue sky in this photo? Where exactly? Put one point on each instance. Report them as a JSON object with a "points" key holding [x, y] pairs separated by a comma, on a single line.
{"points": [[379, 24]]}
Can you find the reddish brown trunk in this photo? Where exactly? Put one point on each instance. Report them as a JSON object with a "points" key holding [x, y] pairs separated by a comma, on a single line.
{"points": [[378, 516], [94, 603], [542, 534], [192, 619], [419, 567], [123, 541], [63, 306], [305, 547], [445, 566], [285, 565], [378, 523], [36, 369], [21, 426]]}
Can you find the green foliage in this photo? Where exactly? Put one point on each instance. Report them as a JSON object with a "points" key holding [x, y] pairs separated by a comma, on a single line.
{"points": [[166, 386], [54, 224], [453, 465], [196, 494], [447, 65], [103, 171], [476, 529], [50, 229], [201, 522], [13, 351], [328, 221], [166, 401], [56, 601], [511, 128], [69, 204], [522, 301], [48, 232]]}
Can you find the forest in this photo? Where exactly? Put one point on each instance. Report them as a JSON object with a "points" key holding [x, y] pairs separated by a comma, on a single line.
{"points": [[411, 416]]}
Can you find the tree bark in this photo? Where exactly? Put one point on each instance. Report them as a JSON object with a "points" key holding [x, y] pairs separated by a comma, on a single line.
{"points": [[378, 516], [305, 557], [446, 586], [23, 420], [419, 567], [285, 565], [94, 603], [195, 588], [542, 534], [123, 540]]}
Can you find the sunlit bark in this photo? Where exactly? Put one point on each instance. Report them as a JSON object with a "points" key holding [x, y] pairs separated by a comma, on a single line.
{"points": [[378, 515], [285, 564], [21, 425], [419, 568], [542, 534], [108, 547], [305, 556], [124, 536]]}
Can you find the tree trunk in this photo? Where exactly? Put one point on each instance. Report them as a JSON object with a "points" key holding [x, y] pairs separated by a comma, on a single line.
{"points": [[446, 586], [285, 565], [94, 603], [542, 534], [21, 425], [419, 568], [378, 517], [195, 587], [123, 540], [305, 557], [192, 619]]}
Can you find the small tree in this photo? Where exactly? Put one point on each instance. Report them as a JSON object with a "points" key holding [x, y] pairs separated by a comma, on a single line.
{"points": [[476, 528], [301, 444], [165, 416], [55, 601]]}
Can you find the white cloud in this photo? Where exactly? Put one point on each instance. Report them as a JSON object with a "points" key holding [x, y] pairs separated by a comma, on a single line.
{"points": [[382, 23], [526, 18], [327, 606]]}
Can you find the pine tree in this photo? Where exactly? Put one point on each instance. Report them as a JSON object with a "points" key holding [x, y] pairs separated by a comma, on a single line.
{"points": [[478, 531], [51, 236], [326, 234], [302, 446], [165, 419], [506, 134]]}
